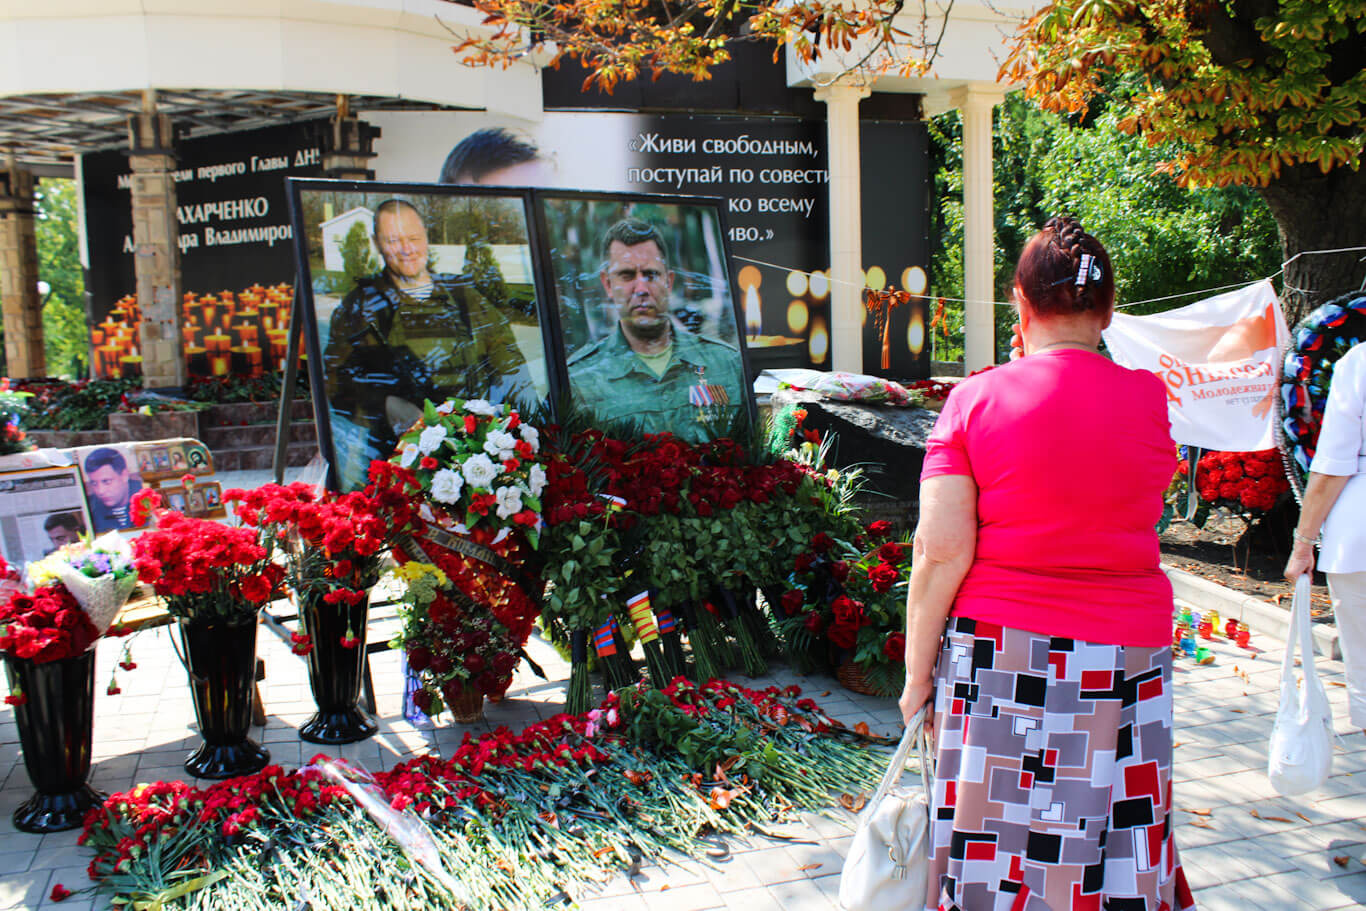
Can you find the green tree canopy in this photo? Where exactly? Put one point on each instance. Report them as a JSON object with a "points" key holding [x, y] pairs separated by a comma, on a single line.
{"points": [[66, 335], [1270, 95]]}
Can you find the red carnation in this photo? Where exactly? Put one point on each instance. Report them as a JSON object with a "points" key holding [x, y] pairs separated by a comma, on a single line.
{"points": [[302, 645], [16, 699], [59, 893]]}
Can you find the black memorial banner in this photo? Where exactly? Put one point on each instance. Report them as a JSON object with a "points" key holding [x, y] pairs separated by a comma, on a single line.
{"points": [[236, 254]]}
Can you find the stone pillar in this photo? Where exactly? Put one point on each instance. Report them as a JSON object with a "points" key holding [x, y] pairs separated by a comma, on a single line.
{"points": [[23, 311], [350, 146], [846, 222], [979, 230], [156, 248]]}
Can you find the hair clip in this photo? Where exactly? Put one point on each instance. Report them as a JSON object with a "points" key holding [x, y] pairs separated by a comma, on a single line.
{"points": [[1084, 269]]}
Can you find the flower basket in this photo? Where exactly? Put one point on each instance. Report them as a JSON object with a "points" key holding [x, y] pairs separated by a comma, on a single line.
{"points": [[468, 706], [851, 676]]}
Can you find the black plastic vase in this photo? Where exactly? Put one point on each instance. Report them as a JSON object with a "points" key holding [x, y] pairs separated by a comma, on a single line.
{"points": [[221, 660], [55, 725], [334, 672]]}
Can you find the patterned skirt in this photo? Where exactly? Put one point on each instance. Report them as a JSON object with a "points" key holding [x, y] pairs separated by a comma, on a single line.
{"points": [[1053, 790]]}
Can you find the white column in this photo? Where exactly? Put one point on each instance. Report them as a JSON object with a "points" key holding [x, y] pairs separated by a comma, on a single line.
{"points": [[846, 223], [975, 103]]}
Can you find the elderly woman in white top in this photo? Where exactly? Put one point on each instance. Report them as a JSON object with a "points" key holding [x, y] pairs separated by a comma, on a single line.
{"points": [[1334, 515]]}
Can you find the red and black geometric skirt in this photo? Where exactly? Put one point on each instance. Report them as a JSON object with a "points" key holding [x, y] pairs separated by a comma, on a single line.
{"points": [[1053, 790]]}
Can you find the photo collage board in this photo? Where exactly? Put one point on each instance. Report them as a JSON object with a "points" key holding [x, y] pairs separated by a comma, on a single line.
{"points": [[53, 497], [621, 305]]}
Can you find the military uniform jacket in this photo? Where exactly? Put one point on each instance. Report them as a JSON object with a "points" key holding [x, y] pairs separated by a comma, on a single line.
{"points": [[610, 379], [384, 342]]}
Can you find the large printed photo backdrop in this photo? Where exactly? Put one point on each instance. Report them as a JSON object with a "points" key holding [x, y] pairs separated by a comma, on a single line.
{"points": [[772, 174], [770, 171]]}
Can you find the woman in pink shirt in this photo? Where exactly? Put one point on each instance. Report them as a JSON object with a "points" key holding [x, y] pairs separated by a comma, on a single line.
{"points": [[1051, 683]]}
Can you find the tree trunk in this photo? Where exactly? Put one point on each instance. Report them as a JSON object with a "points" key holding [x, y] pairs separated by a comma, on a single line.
{"points": [[1317, 211]]}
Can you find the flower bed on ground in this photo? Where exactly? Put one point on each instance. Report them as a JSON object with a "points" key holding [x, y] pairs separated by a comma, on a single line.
{"points": [[511, 819]]}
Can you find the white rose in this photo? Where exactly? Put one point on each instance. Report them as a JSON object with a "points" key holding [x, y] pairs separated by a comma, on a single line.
{"points": [[479, 406], [446, 486], [536, 480], [407, 455], [531, 435], [479, 471], [445, 407], [509, 501], [500, 445], [431, 438]]}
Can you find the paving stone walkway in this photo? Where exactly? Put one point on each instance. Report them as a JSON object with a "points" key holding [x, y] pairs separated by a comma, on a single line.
{"points": [[1244, 848]]}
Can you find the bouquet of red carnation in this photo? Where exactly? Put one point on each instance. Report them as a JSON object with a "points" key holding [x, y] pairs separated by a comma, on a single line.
{"points": [[334, 543], [207, 570], [47, 625], [1243, 482]]}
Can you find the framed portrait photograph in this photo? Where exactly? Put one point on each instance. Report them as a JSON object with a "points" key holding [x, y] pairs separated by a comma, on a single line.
{"points": [[41, 509], [650, 324], [112, 477], [413, 293]]}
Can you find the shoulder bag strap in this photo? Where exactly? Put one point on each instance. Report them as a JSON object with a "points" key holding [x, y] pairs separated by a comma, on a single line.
{"points": [[913, 738]]}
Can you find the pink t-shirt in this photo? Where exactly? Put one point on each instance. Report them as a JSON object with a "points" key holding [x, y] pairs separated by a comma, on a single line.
{"points": [[1071, 454]]}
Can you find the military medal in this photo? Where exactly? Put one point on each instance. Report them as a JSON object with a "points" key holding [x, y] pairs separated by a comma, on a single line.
{"points": [[708, 398]]}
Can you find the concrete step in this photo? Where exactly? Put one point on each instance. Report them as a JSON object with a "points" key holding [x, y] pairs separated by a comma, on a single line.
{"points": [[255, 458], [217, 438], [1262, 617]]}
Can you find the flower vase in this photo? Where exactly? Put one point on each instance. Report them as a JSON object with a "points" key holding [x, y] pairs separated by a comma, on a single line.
{"points": [[334, 671], [221, 660], [468, 705], [55, 727]]}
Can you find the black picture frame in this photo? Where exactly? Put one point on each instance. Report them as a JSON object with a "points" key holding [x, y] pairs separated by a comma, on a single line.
{"points": [[547, 304], [715, 204]]}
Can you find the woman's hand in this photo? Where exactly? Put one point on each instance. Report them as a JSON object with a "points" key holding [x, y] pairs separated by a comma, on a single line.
{"points": [[1301, 560], [913, 697]]}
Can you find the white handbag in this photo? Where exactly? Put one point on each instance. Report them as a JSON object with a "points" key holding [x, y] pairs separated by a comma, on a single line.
{"points": [[888, 865], [1301, 750]]}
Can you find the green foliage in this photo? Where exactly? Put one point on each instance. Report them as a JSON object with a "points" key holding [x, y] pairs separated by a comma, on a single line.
{"points": [[77, 406], [1162, 239], [358, 259], [66, 337]]}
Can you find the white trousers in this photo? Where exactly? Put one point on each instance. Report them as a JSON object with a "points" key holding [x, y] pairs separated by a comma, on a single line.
{"points": [[1349, 610]]}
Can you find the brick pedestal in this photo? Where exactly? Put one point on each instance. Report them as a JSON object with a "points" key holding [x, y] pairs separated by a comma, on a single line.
{"points": [[156, 254]]}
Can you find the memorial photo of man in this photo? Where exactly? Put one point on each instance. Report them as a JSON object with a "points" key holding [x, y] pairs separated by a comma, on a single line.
{"points": [[109, 487], [649, 369], [408, 334], [497, 157], [63, 528]]}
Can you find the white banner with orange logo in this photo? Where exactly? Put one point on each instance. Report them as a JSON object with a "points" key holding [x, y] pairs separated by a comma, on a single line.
{"points": [[1218, 359]]}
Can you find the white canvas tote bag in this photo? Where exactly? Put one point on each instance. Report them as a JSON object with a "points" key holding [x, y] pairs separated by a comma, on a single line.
{"points": [[1301, 750], [888, 865]]}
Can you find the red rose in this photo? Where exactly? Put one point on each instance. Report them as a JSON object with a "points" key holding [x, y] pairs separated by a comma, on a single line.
{"points": [[894, 647], [804, 562], [792, 601], [839, 571], [879, 529], [429, 463], [883, 577], [475, 663], [848, 612], [843, 635], [892, 552], [821, 542], [813, 623], [419, 658], [471, 425], [441, 664]]}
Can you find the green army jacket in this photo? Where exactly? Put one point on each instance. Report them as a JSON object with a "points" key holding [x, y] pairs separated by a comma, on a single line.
{"points": [[607, 377]]}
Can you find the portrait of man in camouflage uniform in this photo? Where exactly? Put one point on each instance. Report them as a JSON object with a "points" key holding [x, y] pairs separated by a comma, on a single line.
{"points": [[408, 334], [649, 369]]}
